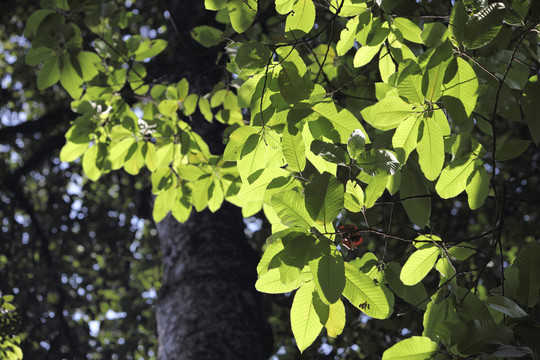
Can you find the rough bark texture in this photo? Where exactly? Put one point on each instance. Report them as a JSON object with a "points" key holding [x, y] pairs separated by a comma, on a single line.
{"points": [[208, 307]]}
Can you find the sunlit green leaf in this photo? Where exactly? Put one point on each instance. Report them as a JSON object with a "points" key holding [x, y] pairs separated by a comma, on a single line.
{"points": [[291, 210], [336, 319], [478, 188], [270, 283], [305, 322], [348, 8], [413, 348], [430, 149], [454, 177], [460, 89], [324, 198], [301, 20], [388, 113], [49, 73], [408, 29], [419, 264], [363, 293], [327, 267]]}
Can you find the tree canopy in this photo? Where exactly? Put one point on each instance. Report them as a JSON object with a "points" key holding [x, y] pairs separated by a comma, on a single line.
{"points": [[391, 146]]}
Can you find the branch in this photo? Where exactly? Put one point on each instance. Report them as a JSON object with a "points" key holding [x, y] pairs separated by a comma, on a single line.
{"points": [[47, 122]]}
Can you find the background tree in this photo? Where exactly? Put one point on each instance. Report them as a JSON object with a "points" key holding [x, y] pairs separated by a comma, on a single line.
{"points": [[361, 211]]}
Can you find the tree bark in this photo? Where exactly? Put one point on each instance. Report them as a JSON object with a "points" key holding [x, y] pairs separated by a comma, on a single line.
{"points": [[208, 307]]}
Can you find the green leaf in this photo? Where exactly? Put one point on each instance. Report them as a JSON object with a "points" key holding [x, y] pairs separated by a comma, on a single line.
{"points": [[297, 246], [460, 89], [375, 189], [162, 205], [118, 150], [462, 251], [478, 188], [418, 210], [34, 20], [201, 192], [168, 107], [511, 149], [256, 190], [431, 149], [356, 143], [388, 113], [181, 208], [284, 7], [215, 5], [301, 20], [445, 269], [458, 22], [506, 306], [324, 198], [207, 36], [270, 283], [481, 335], [204, 107], [354, 197], [327, 267], [531, 94], [89, 163], [87, 61], [437, 320], [363, 293], [434, 34], [294, 149], [348, 8], [149, 48], [483, 26], [454, 177], [408, 29], [347, 37], [409, 84], [529, 274], [435, 70], [69, 78], [71, 151], [376, 162], [292, 86], [336, 319], [269, 257], [289, 207], [419, 264], [415, 295], [386, 64], [343, 121], [413, 348], [405, 138], [365, 54], [238, 140], [252, 55], [37, 55], [305, 322], [49, 73]]}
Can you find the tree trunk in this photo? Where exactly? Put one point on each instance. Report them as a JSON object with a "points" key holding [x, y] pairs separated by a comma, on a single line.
{"points": [[208, 307]]}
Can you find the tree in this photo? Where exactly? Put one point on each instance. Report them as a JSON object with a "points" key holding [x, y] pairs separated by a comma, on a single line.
{"points": [[359, 129]]}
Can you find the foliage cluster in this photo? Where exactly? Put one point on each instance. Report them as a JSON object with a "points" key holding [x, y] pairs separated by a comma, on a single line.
{"points": [[337, 111]]}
